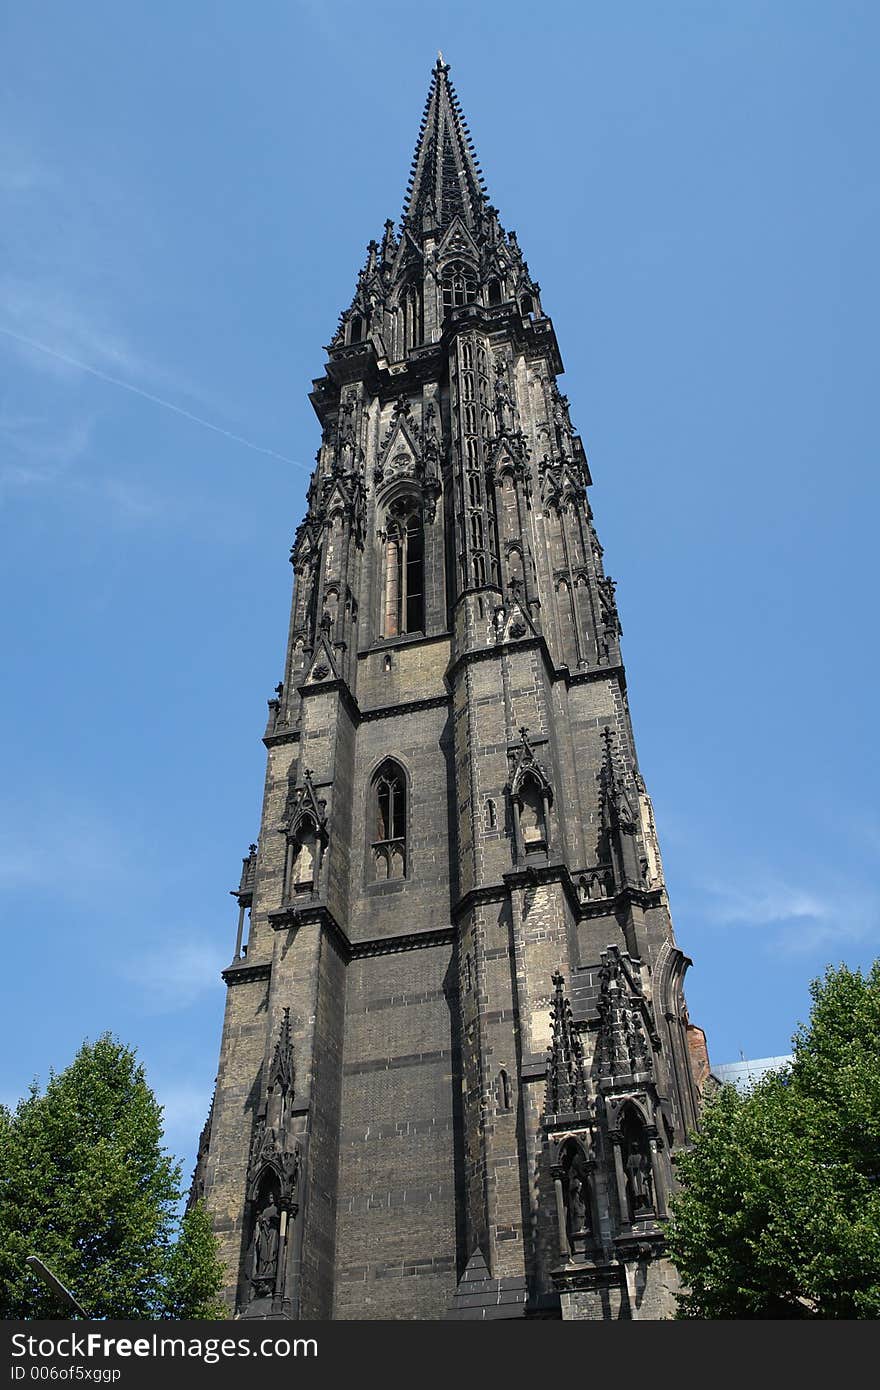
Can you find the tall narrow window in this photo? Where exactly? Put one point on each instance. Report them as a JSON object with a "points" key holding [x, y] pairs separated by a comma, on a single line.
{"points": [[504, 1089], [459, 286], [388, 810], [403, 608], [413, 325], [357, 329]]}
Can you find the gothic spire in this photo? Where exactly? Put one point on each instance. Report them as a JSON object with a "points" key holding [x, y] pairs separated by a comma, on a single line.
{"points": [[281, 1074], [566, 1090], [446, 179]]}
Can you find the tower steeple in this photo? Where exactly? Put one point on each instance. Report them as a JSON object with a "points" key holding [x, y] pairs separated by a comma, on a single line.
{"points": [[459, 925], [446, 209], [445, 180]]}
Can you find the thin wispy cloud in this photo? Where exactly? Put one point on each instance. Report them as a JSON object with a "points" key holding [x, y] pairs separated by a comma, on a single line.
{"points": [[795, 919], [38, 312], [38, 451], [175, 976], [147, 396], [57, 312], [58, 847], [184, 1111]]}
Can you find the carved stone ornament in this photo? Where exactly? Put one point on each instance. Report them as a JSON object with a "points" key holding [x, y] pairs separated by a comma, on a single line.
{"points": [[566, 1090], [622, 1046]]}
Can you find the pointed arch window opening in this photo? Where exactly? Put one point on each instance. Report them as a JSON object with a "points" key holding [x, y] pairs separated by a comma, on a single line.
{"points": [[389, 845], [504, 1089], [403, 608], [459, 286], [411, 304]]}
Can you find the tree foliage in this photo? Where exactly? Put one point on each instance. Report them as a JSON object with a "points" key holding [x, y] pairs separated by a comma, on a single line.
{"points": [[86, 1185], [779, 1210]]}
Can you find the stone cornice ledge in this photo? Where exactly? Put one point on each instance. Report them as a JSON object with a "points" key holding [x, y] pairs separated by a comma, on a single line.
{"points": [[296, 915], [240, 973]]}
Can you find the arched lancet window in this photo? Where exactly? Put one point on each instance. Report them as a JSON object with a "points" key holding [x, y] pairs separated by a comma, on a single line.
{"points": [[567, 633], [514, 565], [504, 1089], [413, 319], [388, 811], [356, 329], [459, 284], [527, 306], [494, 291], [403, 606], [491, 811]]}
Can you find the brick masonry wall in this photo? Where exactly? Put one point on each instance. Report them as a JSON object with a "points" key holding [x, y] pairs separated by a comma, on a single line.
{"points": [[398, 1249], [419, 741]]}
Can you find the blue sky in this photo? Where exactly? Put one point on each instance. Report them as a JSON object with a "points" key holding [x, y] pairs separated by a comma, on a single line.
{"points": [[187, 192]]}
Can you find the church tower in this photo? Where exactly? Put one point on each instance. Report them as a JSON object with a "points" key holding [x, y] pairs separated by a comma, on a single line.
{"points": [[456, 1058]]}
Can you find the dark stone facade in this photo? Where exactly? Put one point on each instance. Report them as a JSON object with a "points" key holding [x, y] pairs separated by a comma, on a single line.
{"points": [[456, 1057]]}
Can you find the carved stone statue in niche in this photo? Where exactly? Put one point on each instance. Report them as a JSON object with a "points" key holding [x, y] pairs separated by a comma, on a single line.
{"points": [[264, 1246], [532, 815], [503, 399], [571, 1176], [578, 1218], [637, 1168], [304, 863]]}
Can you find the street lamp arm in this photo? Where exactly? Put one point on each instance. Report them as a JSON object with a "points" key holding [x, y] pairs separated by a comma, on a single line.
{"points": [[55, 1284]]}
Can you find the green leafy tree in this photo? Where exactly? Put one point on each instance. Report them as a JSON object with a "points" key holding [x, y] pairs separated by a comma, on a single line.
{"points": [[779, 1210], [86, 1185]]}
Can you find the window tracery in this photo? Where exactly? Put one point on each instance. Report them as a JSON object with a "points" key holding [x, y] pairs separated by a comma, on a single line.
{"points": [[388, 809], [403, 606]]}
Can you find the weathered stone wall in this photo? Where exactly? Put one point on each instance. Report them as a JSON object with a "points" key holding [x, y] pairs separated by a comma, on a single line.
{"points": [[398, 1247], [645, 1290]]}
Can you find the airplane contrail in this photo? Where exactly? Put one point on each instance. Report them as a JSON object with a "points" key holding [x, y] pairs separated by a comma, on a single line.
{"points": [[148, 396]]}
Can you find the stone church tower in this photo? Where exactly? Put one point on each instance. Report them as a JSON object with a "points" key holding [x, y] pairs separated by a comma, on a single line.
{"points": [[456, 1057]]}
